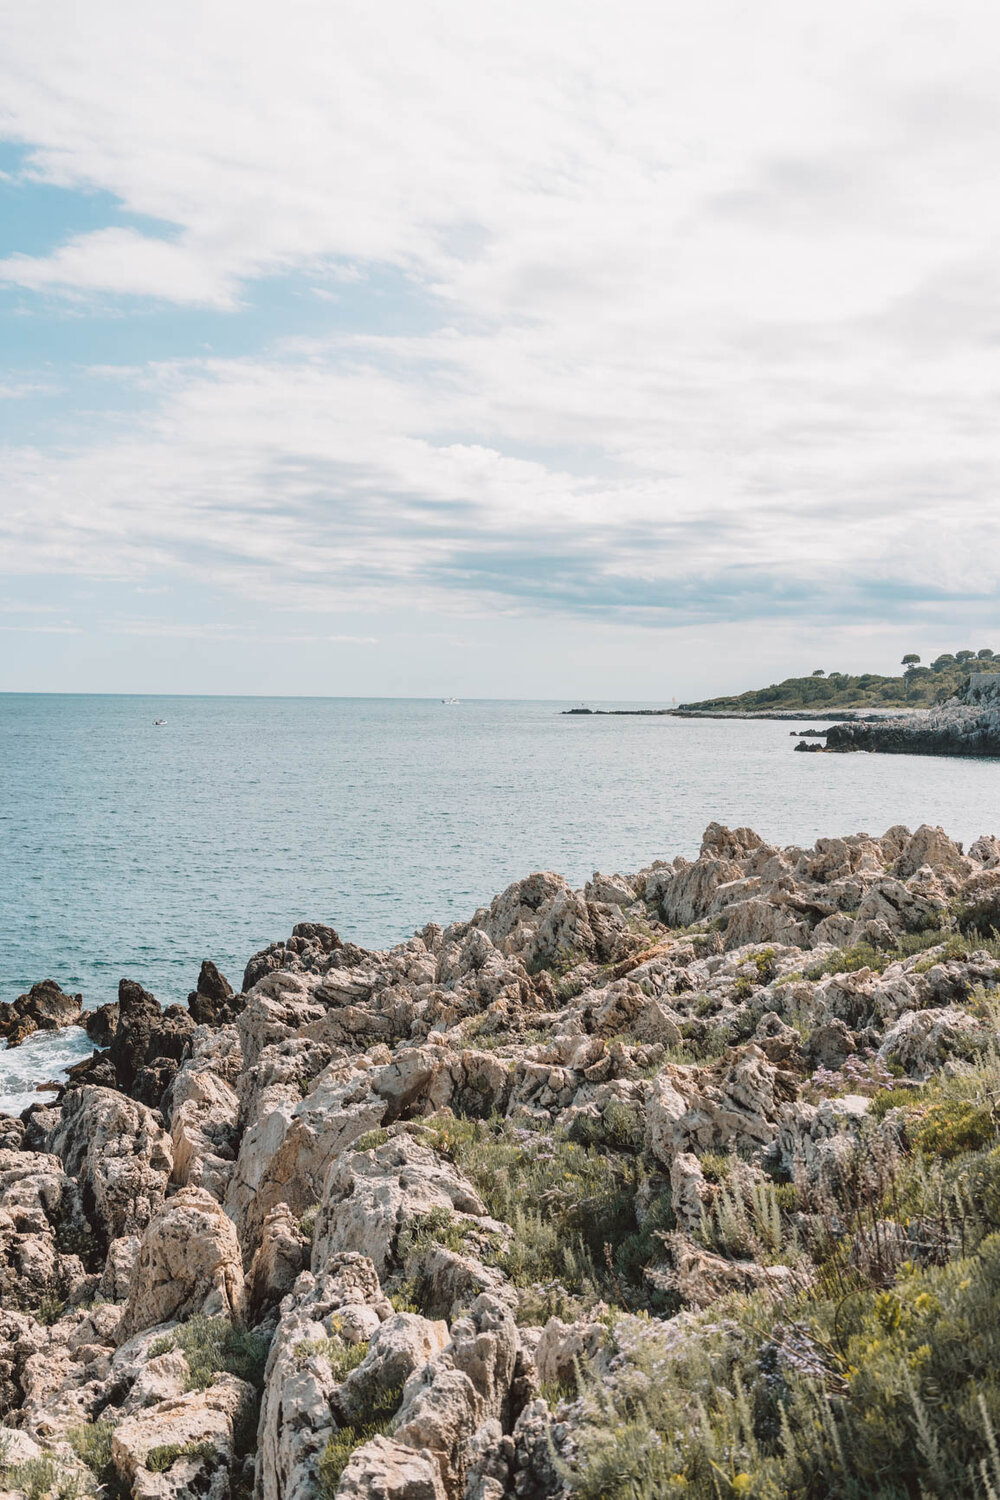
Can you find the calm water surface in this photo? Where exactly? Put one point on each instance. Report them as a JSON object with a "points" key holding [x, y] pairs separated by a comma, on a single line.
{"points": [[138, 850]]}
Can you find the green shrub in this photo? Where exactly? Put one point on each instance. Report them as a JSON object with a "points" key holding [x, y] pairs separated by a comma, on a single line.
{"points": [[371, 1140], [895, 1098], [342, 1443], [342, 1358], [864, 956], [160, 1459], [888, 1395], [572, 1208], [92, 1442], [213, 1346], [42, 1479], [50, 1308], [307, 1223], [952, 1127], [437, 1227]]}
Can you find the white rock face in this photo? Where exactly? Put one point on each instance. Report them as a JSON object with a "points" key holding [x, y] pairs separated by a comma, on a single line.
{"points": [[297, 1415], [386, 1470], [201, 1422], [732, 1105], [369, 1196], [189, 1262], [203, 1128], [119, 1152]]}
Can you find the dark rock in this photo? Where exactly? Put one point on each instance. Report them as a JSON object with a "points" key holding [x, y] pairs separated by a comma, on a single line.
{"points": [[96, 1069], [316, 932], [968, 724], [101, 1024], [263, 963], [11, 1133], [44, 1008], [139, 1017], [152, 1081], [212, 984], [213, 1002], [145, 1034]]}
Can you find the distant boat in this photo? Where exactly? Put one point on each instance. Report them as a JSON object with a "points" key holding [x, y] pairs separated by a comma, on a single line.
{"points": [[451, 700], [159, 721]]}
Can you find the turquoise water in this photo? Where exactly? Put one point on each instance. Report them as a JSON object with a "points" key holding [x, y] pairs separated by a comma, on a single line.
{"points": [[138, 850]]}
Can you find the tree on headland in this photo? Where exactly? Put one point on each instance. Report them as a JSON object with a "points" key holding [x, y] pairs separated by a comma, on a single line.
{"points": [[819, 672], [965, 656], [910, 659], [985, 655]]}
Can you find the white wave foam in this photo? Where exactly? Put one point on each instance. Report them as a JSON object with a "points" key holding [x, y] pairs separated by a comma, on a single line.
{"points": [[45, 1055]]}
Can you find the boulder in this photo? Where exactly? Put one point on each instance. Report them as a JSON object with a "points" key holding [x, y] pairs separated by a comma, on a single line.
{"points": [[204, 1114], [383, 1469], [102, 1023], [920, 1040], [45, 1007], [120, 1154], [189, 1262], [733, 1104], [464, 1386], [183, 1446], [145, 1033], [297, 1416], [369, 1196], [213, 1003]]}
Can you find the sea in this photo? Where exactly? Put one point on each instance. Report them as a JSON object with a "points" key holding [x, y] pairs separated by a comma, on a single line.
{"points": [[139, 835]]}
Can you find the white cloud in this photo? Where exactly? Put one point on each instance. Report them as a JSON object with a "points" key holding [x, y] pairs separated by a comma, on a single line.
{"points": [[717, 292]]}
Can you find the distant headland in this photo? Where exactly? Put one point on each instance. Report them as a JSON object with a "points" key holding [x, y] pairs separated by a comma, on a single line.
{"points": [[836, 696]]}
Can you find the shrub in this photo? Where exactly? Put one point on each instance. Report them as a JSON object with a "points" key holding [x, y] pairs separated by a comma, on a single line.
{"points": [[91, 1442], [213, 1346], [160, 1459], [50, 1308], [952, 1127], [307, 1223], [42, 1479], [888, 1395], [342, 1358], [342, 1443], [572, 1208], [370, 1140]]}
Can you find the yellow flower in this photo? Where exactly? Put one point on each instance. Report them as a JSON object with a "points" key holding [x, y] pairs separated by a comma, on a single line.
{"points": [[742, 1484]]}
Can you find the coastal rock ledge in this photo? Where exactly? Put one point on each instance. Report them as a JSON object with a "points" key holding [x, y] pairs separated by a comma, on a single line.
{"points": [[968, 724], [687, 1182]]}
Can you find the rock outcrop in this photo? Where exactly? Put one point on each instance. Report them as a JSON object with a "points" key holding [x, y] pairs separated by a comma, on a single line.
{"points": [[44, 1008], [363, 1228], [968, 724]]}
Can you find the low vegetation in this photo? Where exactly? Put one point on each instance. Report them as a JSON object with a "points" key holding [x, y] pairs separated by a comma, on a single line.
{"points": [[162, 1458], [875, 1375], [918, 687], [572, 1209], [342, 1443], [214, 1346]]}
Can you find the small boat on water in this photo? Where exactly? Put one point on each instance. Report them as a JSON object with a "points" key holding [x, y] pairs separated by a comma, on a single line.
{"points": [[451, 700], [159, 721]]}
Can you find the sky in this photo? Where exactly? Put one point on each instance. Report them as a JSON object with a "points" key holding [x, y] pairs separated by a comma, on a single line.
{"points": [[544, 349]]}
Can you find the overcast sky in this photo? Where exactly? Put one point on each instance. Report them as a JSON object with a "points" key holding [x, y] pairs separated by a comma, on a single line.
{"points": [[524, 349]]}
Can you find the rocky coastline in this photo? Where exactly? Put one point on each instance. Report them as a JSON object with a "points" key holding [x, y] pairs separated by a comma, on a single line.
{"points": [[968, 725], [794, 715], [602, 1193]]}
